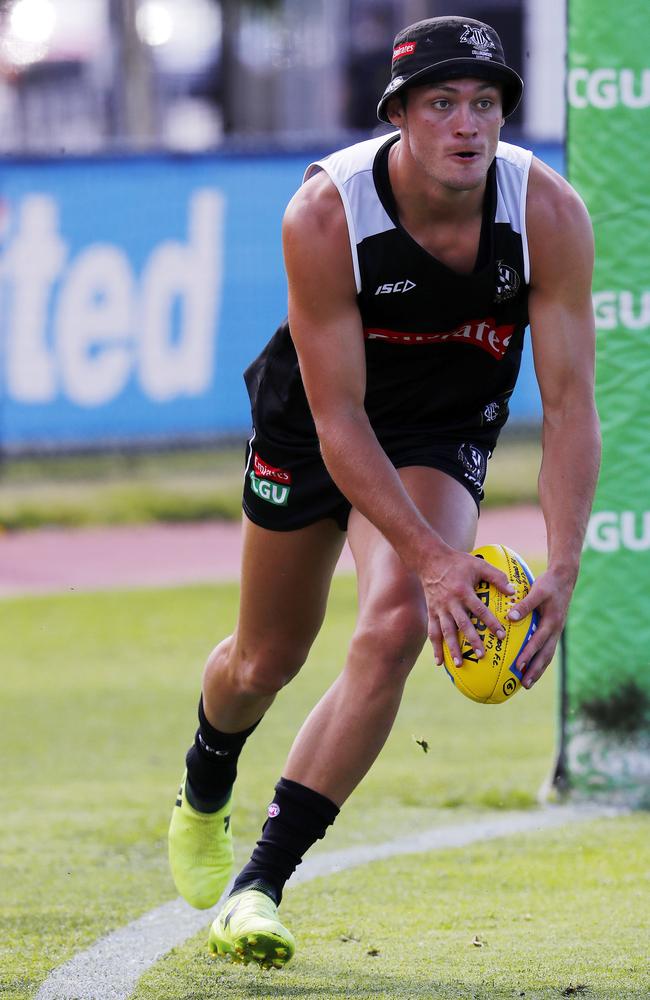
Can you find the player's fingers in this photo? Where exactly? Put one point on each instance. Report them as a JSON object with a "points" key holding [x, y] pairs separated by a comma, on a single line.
{"points": [[450, 635], [435, 636], [497, 577], [481, 612], [519, 611], [465, 625], [544, 634], [535, 643], [538, 663], [524, 607]]}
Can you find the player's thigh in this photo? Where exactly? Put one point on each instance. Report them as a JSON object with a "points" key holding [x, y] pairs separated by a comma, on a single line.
{"points": [[384, 581], [285, 581], [446, 504]]}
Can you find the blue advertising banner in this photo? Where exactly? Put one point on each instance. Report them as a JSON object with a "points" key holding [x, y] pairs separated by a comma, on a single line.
{"points": [[134, 292]]}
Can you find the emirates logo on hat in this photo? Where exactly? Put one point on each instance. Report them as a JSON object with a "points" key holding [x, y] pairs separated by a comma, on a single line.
{"points": [[405, 49]]}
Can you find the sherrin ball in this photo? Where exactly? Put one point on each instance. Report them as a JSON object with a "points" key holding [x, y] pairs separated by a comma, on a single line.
{"points": [[495, 678]]}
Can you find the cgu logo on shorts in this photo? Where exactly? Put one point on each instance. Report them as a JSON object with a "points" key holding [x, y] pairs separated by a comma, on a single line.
{"points": [[609, 88], [270, 483], [611, 531]]}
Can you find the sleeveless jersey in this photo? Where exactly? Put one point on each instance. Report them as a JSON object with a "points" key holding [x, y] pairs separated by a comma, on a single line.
{"points": [[443, 349]]}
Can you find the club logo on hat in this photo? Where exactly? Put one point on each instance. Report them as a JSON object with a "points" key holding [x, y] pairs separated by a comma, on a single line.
{"points": [[479, 39]]}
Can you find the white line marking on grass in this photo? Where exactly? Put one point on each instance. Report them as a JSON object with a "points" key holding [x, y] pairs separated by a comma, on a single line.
{"points": [[110, 969]]}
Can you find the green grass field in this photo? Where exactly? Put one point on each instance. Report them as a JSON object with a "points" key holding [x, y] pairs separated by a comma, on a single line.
{"points": [[187, 485], [98, 707]]}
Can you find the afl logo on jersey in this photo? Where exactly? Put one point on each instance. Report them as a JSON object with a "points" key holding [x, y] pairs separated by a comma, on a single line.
{"points": [[508, 282]]}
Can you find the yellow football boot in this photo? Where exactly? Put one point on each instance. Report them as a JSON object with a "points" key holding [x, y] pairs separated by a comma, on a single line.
{"points": [[248, 930], [200, 851]]}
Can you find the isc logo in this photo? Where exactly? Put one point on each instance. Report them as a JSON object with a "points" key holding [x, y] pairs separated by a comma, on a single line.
{"points": [[395, 286]]}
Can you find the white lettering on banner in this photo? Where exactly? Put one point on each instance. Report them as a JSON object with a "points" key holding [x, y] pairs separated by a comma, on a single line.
{"points": [[31, 265], [609, 88], [610, 531], [192, 274], [93, 325], [630, 310], [106, 326]]}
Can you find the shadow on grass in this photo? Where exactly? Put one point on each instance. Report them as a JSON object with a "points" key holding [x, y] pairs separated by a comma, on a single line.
{"points": [[352, 984]]}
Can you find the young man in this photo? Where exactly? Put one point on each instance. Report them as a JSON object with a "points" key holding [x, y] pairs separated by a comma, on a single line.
{"points": [[415, 262]]}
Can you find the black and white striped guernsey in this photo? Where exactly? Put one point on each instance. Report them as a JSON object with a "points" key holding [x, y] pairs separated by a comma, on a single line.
{"points": [[443, 349]]}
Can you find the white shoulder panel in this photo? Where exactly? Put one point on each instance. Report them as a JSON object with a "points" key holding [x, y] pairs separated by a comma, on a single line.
{"points": [[513, 166], [351, 171]]}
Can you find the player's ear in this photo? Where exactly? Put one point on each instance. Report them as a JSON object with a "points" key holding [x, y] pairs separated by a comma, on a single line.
{"points": [[395, 111]]}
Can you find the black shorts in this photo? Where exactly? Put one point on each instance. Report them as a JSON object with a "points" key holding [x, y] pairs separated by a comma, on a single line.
{"points": [[286, 489]]}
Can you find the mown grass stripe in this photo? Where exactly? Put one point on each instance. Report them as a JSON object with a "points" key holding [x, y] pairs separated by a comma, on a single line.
{"points": [[110, 969]]}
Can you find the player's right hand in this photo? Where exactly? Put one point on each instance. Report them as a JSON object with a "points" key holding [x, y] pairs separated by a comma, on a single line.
{"points": [[449, 583]]}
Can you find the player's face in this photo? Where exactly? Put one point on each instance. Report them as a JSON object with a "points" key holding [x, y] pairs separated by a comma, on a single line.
{"points": [[452, 129]]}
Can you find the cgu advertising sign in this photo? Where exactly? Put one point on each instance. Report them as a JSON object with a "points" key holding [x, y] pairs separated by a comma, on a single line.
{"points": [[122, 316], [605, 750]]}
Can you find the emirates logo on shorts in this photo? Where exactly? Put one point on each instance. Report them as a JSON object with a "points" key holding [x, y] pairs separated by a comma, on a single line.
{"points": [[267, 471]]}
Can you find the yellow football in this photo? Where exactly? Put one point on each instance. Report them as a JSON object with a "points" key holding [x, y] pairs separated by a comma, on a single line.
{"points": [[495, 678]]}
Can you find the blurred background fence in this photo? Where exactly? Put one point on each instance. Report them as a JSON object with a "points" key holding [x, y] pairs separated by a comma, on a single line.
{"points": [[149, 148]]}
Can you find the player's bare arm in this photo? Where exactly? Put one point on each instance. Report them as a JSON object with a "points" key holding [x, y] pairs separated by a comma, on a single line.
{"points": [[327, 331], [563, 338]]}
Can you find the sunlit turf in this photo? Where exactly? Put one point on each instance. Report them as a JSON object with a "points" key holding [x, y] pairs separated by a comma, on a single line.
{"points": [[183, 485], [555, 914], [98, 707]]}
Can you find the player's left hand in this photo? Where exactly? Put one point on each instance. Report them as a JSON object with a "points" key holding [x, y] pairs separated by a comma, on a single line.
{"points": [[550, 594]]}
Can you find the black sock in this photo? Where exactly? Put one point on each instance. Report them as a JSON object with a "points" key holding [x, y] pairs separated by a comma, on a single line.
{"points": [[298, 817], [212, 764]]}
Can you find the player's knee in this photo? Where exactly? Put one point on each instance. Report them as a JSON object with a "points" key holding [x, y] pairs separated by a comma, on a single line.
{"points": [[258, 670], [267, 669], [395, 636]]}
